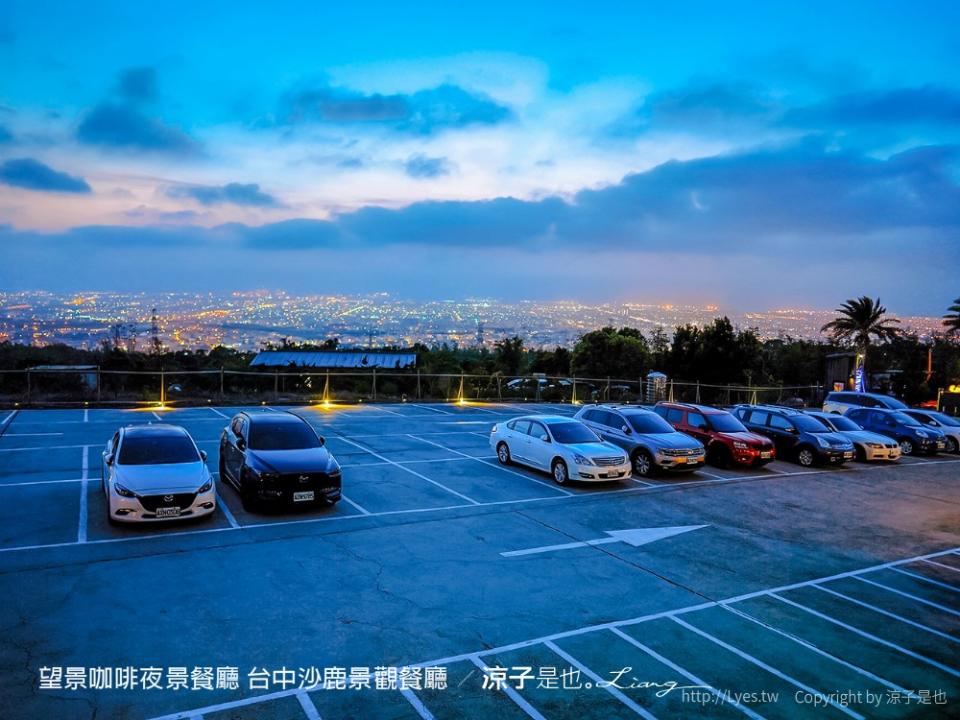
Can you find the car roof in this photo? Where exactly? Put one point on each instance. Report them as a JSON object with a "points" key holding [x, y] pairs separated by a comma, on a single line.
{"points": [[705, 409], [547, 418], [273, 416], [626, 409], [772, 408], [154, 430]]}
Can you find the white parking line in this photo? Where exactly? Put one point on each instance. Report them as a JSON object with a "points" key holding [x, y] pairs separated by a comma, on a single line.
{"points": [[226, 511], [598, 681], [490, 464], [217, 412], [362, 510], [868, 636], [686, 673], [769, 668], [82, 522], [156, 416], [54, 434], [86, 414], [941, 565], [944, 585], [412, 472], [531, 711], [915, 598], [887, 613], [417, 704], [432, 409], [309, 709]]}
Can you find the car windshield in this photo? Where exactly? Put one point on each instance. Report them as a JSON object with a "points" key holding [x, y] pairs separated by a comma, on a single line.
{"points": [[893, 403], [282, 436], [843, 424], [157, 450], [649, 424], [726, 423], [569, 433], [944, 419], [904, 419], [805, 423]]}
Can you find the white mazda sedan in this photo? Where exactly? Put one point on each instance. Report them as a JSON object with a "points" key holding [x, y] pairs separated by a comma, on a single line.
{"points": [[565, 448], [152, 473]]}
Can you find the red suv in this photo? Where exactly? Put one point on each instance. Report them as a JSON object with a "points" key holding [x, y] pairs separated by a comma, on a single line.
{"points": [[727, 441]]}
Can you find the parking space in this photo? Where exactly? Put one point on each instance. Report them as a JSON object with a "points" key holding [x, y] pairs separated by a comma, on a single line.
{"points": [[777, 580]]}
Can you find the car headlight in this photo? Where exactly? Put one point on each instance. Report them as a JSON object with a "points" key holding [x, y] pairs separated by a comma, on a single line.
{"points": [[206, 486], [921, 433], [334, 471], [875, 446], [740, 445], [122, 491], [581, 460], [823, 442]]}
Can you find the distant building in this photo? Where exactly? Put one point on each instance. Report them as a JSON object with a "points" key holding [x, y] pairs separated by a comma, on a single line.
{"points": [[331, 359]]}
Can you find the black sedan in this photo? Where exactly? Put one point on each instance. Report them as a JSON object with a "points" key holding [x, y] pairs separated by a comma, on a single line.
{"points": [[277, 459]]}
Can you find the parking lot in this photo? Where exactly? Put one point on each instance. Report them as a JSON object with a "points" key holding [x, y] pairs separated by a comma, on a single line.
{"points": [[765, 586]]}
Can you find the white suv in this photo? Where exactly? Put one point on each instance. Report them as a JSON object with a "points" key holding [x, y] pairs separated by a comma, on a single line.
{"points": [[839, 402]]}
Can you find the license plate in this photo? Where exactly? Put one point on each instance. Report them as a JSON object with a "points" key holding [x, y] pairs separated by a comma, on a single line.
{"points": [[766, 455], [303, 496], [168, 512], [848, 455], [612, 475], [681, 461]]}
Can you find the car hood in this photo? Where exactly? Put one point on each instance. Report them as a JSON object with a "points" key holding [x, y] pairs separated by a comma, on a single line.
{"points": [[294, 461], [834, 438], [676, 440], [865, 436], [749, 438], [596, 449], [155, 479]]}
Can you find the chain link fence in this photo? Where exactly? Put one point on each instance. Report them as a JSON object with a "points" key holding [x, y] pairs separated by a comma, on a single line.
{"points": [[93, 386]]}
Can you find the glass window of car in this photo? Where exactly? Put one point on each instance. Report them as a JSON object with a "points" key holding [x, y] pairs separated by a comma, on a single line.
{"points": [[725, 423], [805, 423], [945, 419], [157, 449], [891, 402], [537, 430], [759, 417], [867, 401], [778, 422], [674, 415], [823, 421], [661, 410], [611, 419], [904, 419], [282, 436], [649, 424], [569, 433], [842, 424], [520, 426], [237, 426], [696, 420]]}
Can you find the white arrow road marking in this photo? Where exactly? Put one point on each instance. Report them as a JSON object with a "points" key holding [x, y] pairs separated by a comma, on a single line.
{"points": [[635, 537]]}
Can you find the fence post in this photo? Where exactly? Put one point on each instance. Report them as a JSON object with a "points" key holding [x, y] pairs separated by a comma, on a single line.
{"points": [[163, 387], [28, 386], [374, 383], [573, 398], [419, 394], [276, 385], [537, 395], [499, 388], [698, 392], [221, 383], [607, 396], [98, 384]]}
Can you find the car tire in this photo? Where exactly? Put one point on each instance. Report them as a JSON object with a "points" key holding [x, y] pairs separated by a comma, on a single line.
{"points": [[721, 457], [248, 500], [859, 454], [806, 456], [503, 453], [222, 467], [642, 462], [906, 446], [561, 475], [952, 446]]}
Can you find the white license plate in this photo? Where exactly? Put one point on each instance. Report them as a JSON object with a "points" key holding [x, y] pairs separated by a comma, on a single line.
{"points": [[766, 455], [612, 475], [168, 512], [305, 496], [848, 455]]}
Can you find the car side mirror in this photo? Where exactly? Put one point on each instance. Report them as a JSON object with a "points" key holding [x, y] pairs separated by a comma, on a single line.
{"points": [[203, 455], [108, 458], [545, 438], [626, 430], [322, 439], [241, 445]]}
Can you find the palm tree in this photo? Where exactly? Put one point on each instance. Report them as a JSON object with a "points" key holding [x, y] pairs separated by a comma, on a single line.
{"points": [[952, 319], [860, 320]]}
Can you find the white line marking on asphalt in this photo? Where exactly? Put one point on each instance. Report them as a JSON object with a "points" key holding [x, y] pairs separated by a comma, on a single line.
{"points": [[716, 477], [417, 704], [432, 409], [156, 416], [226, 511], [915, 598], [217, 412], [387, 410], [490, 464], [769, 668], [599, 681], [86, 414], [309, 709], [510, 692], [33, 434], [889, 614], [82, 522], [941, 565], [363, 510], [868, 636], [685, 673], [810, 646], [412, 472], [634, 536], [927, 580]]}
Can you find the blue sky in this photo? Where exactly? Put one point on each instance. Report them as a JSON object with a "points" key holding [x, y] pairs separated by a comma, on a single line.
{"points": [[751, 155]]}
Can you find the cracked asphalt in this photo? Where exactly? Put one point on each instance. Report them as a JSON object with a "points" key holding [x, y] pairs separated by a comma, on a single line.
{"points": [[408, 572]]}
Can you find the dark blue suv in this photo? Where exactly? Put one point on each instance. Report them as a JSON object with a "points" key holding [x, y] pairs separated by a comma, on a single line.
{"points": [[912, 436], [796, 435]]}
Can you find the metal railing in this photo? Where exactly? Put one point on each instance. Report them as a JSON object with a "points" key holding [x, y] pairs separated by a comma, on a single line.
{"points": [[99, 387]]}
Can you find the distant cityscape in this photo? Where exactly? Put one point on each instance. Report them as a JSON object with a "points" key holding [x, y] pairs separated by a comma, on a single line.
{"points": [[247, 320]]}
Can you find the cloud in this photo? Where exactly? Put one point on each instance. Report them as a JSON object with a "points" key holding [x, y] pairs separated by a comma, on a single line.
{"points": [[5, 135], [138, 84], [420, 166], [930, 105], [705, 106], [422, 112], [232, 193], [32, 174], [125, 127]]}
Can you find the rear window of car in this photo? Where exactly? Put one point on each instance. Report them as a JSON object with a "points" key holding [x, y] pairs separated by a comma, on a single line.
{"points": [[157, 450], [282, 436]]}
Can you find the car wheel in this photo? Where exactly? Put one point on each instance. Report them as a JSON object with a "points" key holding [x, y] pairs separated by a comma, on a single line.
{"points": [[248, 499], [503, 454], [223, 469], [721, 457], [859, 453], [643, 463], [952, 445], [560, 473], [806, 457], [906, 446]]}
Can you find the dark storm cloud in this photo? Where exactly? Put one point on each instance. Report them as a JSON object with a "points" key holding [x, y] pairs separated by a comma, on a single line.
{"points": [[929, 105], [32, 174], [422, 112], [422, 166], [138, 84], [232, 193]]}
